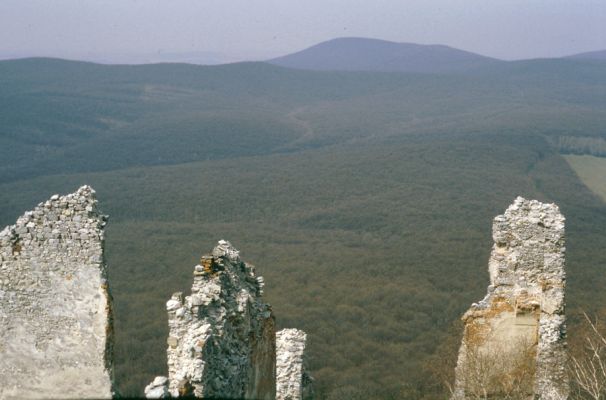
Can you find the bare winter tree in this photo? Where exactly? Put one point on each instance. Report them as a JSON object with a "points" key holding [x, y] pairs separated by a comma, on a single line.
{"points": [[491, 371], [497, 372], [588, 363]]}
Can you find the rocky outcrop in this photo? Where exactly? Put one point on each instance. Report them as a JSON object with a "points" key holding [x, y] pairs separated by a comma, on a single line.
{"points": [[514, 339], [292, 380], [55, 310], [222, 337]]}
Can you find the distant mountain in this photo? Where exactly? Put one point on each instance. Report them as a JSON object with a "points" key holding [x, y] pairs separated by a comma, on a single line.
{"points": [[359, 54], [590, 55]]}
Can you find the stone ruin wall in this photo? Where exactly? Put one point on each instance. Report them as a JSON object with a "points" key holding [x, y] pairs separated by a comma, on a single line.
{"points": [[222, 337], [516, 334], [292, 380], [56, 322], [55, 310], [222, 341]]}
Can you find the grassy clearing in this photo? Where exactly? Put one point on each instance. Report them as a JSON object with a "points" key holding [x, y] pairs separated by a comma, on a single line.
{"points": [[592, 171]]}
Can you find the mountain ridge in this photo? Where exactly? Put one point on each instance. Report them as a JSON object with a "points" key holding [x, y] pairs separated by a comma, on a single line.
{"points": [[364, 54], [324, 56]]}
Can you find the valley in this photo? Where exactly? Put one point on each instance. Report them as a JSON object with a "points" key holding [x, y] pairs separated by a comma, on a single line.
{"points": [[365, 199]]}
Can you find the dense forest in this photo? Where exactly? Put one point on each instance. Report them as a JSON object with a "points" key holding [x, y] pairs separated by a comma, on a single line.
{"points": [[365, 199]]}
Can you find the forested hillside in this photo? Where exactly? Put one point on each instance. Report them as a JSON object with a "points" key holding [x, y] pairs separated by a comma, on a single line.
{"points": [[365, 199]]}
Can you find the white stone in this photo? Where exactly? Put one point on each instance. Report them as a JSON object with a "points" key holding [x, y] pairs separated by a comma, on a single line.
{"points": [[522, 315], [292, 381], [160, 380], [55, 331], [172, 305], [158, 389], [217, 348]]}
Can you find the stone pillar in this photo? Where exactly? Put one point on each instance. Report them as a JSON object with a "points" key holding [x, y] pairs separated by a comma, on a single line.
{"points": [[222, 337], [514, 339], [55, 310], [292, 380]]}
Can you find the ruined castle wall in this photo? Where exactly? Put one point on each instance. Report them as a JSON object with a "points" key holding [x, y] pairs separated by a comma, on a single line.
{"points": [[514, 339], [292, 379], [55, 316], [222, 337]]}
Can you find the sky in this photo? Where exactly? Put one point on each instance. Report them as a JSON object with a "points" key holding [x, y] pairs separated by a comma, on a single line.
{"points": [[260, 29]]}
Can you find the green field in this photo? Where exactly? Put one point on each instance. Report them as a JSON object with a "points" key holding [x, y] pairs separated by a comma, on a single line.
{"points": [[365, 199], [592, 171]]}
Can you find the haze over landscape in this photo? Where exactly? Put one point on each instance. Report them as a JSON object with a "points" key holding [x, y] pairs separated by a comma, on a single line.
{"points": [[358, 163], [134, 31]]}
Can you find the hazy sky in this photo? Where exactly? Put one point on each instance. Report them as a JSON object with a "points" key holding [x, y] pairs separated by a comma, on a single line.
{"points": [[509, 29]]}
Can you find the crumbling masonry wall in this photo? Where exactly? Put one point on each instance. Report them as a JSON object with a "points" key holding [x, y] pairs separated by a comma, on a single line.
{"points": [[55, 314], [514, 339], [292, 380], [222, 337]]}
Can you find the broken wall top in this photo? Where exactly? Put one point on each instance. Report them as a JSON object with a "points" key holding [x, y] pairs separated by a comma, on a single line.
{"points": [[527, 258], [518, 329], [55, 314], [222, 336]]}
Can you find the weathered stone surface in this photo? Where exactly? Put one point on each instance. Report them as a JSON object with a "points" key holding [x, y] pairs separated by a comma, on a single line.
{"points": [[292, 380], [222, 337], [55, 310], [158, 389], [514, 339]]}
